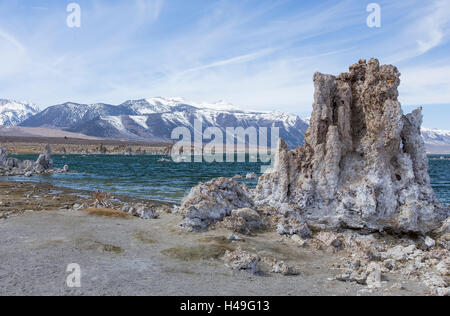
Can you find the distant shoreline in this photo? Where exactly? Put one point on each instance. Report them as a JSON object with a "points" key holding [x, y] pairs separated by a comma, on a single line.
{"points": [[65, 145], [79, 146]]}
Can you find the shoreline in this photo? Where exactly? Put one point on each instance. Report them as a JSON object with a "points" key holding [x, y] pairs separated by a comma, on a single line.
{"points": [[44, 195], [122, 197]]}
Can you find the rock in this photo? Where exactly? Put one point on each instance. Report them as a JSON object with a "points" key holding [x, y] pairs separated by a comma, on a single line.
{"points": [[77, 207], [299, 241], [443, 291], [433, 280], [397, 287], [429, 242], [364, 163], [443, 267], [330, 239], [292, 225], [353, 275], [3, 155], [210, 202], [242, 260], [445, 228], [44, 161], [146, 213], [251, 176], [369, 275], [373, 280], [284, 269], [400, 253], [389, 264], [245, 221], [141, 211]]}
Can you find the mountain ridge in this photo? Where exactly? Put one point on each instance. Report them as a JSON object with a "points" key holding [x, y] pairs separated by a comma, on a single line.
{"points": [[14, 112], [153, 119]]}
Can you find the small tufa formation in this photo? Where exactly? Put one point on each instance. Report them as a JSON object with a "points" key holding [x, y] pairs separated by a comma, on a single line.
{"points": [[242, 260], [14, 167], [284, 269], [244, 221], [141, 211], [364, 164], [293, 226], [44, 161], [3, 155], [211, 202]]}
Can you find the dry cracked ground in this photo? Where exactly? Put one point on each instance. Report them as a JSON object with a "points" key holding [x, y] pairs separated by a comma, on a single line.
{"points": [[40, 235]]}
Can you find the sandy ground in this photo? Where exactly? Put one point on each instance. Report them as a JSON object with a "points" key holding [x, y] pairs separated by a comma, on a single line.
{"points": [[130, 256]]}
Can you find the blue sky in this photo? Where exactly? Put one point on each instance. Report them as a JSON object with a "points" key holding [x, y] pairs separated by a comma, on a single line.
{"points": [[256, 54]]}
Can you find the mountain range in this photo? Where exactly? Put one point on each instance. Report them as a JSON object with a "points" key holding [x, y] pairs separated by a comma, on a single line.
{"points": [[153, 119], [13, 113], [437, 141]]}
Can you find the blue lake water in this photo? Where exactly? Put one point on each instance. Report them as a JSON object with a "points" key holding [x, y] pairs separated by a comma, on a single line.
{"points": [[146, 177]]}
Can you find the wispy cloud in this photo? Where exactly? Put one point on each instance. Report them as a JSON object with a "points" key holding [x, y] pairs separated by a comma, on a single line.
{"points": [[258, 54], [9, 39], [149, 9], [435, 27]]}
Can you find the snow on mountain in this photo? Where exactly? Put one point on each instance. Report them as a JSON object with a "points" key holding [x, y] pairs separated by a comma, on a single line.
{"points": [[155, 118], [13, 113], [140, 120], [436, 141], [436, 136]]}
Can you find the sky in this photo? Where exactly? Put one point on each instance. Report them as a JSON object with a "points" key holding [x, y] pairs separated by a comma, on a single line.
{"points": [[255, 54]]}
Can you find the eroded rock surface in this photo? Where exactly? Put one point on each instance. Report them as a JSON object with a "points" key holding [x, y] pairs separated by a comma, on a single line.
{"points": [[364, 164]]}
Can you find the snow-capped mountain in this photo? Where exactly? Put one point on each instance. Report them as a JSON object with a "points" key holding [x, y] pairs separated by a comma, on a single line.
{"points": [[154, 119], [436, 141], [436, 136], [13, 113]]}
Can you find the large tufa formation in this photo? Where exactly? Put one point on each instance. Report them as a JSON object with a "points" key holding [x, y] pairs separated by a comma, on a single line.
{"points": [[364, 164]]}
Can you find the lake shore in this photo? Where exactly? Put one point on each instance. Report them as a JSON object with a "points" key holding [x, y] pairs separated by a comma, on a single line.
{"points": [[64, 145], [42, 233]]}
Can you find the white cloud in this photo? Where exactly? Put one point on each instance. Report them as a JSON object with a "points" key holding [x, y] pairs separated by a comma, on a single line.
{"points": [[434, 27], [149, 9], [13, 54], [425, 85]]}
